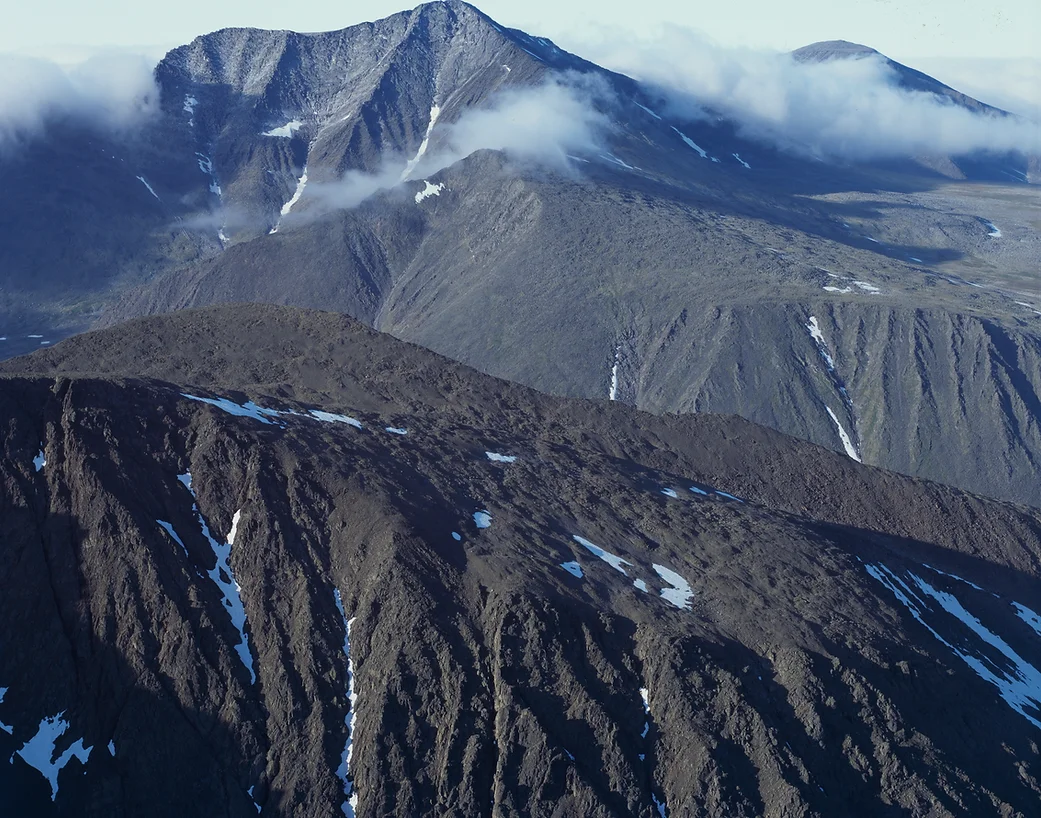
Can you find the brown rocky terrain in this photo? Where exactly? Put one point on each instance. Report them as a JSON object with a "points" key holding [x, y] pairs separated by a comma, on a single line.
{"points": [[639, 615]]}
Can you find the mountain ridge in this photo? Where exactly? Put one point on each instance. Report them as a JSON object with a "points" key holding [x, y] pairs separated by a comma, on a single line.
{"points": [[762, 668]]}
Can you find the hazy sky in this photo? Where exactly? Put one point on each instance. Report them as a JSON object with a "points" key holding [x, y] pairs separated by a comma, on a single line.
{"points": [[903, 29]]}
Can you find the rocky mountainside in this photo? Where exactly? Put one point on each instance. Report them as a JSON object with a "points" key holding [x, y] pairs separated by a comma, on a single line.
{"points": [[292, 565], [878, 309]]}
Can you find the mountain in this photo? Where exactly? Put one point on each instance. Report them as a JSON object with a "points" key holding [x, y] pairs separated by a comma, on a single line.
{"points": [[907, 78], [254, 557], [674, 264]]}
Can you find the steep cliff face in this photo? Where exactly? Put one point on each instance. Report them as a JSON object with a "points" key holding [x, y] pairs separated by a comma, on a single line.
{"points": [[411, 589]]}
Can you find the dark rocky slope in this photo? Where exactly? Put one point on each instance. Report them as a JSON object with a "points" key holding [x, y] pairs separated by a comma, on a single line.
{"points": [[488, 679]]}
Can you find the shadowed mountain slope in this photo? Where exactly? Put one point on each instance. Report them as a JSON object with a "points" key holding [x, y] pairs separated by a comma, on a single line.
{"points": [[289, 557]]}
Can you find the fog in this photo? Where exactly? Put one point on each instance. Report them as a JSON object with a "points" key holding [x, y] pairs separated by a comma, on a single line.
{"points": [[111, 92]]}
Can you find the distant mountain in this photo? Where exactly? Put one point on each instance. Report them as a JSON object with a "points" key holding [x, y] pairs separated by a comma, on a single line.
{"points": [[255, 559], [907, 78], [676, 265]]}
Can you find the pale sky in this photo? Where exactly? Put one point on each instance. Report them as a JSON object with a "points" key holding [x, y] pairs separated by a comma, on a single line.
{"points": [[902, 29]]}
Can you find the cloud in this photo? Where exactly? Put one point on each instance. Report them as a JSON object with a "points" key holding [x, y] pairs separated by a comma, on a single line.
{"points": [[1012, 84], [848, 109], [540, 125], [113, 92]]}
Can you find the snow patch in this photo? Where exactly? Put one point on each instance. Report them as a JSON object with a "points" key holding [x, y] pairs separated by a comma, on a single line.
{"points": [[612, 393], [867, 287], [350, 805], [680, 594], [742, 161], [495, 457], [288, 206], [206, 166], [482, 519], [572, 568], [613, 560], [1022, 611], [189, 107], [394, 430], [670, 493], [729, 496], [144, 182], [1017, 681], [169, 529], [691, 143], [457, 536], [329, 417], [696, 490], [244, 410], [435, 112], [5, 727], [40, 460], [429, 190], [640, 585], [815, 332], [952, 576], [847, 444], [112, 748], [994, 232], [842, 290], [224, 578], [610, 157], [648, 110], [285, 131], [38, 752]]}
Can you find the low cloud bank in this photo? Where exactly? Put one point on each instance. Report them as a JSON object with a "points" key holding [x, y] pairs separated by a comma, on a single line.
{"points": [[846, 109], [112, 92], [540, 125]]}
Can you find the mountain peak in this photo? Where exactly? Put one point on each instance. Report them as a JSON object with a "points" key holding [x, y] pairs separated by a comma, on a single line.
{"points": [[826, 50]]}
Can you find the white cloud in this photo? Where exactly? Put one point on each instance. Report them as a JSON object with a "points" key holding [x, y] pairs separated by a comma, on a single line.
{"points": [[850, 109], [109, 91], [1011, 84], [542, 124], [539, 125]]}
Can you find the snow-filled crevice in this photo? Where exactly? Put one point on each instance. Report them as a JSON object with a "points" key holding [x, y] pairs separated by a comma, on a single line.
{"points": [[350, 804], [612, 393], [942, 614], [435, 112], [224, 578], [690, 143], [659, 805], [301, 185], [849, 439]]}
